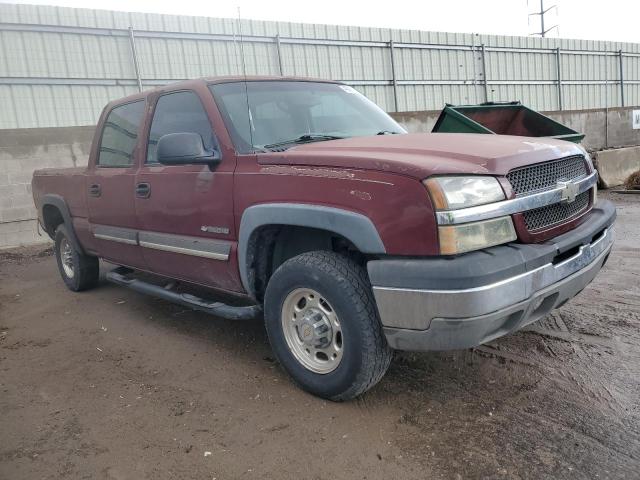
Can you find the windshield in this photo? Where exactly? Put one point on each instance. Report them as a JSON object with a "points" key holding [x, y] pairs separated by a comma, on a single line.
{"points": [[282, 114]]}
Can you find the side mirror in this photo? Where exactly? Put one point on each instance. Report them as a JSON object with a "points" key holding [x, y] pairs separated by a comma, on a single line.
{"points": [[185, 148]]}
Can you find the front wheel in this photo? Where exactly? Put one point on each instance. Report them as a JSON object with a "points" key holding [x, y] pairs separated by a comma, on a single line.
{"points": [[323, 325], [78, 271]]}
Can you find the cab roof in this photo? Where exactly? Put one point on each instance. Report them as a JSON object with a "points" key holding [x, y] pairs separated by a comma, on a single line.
{"points": [[187, 84]]}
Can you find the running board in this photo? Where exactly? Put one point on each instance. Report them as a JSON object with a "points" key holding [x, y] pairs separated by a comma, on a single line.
{"points": [[219, 309]]}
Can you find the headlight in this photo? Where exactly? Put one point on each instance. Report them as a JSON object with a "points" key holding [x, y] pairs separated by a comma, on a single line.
{"points": [[451, 193], [463, 238]]}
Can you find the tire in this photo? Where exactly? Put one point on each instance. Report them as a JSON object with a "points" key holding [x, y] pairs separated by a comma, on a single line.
{"points": [[78, 271], [346, 304]]}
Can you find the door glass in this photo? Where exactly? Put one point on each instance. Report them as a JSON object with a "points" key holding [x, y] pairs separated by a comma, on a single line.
{"points": [[180, 112], [120, 135]]}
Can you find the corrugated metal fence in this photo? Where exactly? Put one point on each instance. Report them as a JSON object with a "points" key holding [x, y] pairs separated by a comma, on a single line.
{"points": [[59, 66]]}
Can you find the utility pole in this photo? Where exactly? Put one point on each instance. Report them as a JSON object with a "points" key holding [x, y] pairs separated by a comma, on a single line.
{"points": [[543, 32]]}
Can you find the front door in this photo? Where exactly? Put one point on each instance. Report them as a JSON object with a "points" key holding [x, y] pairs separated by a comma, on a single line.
{"points": [[110, 186], [185, 212]]}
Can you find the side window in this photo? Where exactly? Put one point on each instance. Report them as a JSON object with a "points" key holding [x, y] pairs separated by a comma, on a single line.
{"points": [[120, 135], [180, 112]]}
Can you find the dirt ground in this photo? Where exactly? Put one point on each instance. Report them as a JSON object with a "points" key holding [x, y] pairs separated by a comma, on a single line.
{"points": [[110, 384]]}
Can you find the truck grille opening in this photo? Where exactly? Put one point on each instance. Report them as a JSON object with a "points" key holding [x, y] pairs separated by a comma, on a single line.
{"points": [[544, 176], [555, 214]]}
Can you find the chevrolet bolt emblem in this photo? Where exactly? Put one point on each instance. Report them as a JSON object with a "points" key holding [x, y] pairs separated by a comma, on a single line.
{"points": [[568, 192], [306, 331]]}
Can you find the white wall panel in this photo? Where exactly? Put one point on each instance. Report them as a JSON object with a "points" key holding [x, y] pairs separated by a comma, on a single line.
{"points": [[59, 66]]}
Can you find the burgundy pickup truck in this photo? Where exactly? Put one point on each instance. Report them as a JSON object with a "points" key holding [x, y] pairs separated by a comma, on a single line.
{"points": [[304, 203]]}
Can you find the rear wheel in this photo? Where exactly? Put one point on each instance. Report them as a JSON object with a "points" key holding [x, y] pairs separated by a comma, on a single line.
{"points": [[323, 325], [78, 271]]}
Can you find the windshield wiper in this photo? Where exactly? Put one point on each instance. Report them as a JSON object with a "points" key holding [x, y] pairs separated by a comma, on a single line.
{"points": [[386, 132], [306, 138]]}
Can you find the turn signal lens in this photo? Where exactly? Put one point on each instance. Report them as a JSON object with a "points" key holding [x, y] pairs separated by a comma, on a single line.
{"points": [[455, 239]]}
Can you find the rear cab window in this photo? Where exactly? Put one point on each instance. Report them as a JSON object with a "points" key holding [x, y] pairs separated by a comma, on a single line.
{"points": [[120, 135]]}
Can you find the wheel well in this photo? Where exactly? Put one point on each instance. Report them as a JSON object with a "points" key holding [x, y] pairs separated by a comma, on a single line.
{"points": [[52, 218], [271, 245]]}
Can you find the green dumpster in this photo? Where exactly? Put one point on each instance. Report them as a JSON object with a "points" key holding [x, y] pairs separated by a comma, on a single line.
{"points": [[510, 118]]}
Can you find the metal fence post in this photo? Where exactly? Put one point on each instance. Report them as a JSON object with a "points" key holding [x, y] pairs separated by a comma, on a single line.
{"points": [[279, 55], [134, 54], [559, 72], [393, 75], [484, 73], [475, 67], [606, 105], [621, 78]]}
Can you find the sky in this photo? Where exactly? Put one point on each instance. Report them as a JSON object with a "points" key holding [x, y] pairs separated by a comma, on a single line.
{"points": [[585, 19]]}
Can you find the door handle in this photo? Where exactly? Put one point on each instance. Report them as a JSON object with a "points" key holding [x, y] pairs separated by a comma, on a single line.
{"points": [[143, 190], [95, 190]]}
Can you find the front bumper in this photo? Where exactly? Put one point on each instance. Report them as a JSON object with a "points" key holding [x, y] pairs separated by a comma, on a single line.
{"points": [[464, 301]]}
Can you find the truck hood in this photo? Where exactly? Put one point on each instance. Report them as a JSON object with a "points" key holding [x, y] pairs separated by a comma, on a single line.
{"points": [[420, 155]]}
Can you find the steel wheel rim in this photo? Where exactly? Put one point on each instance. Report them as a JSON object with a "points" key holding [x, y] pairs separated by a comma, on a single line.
{"points": [[312, 330], [66, 258]]}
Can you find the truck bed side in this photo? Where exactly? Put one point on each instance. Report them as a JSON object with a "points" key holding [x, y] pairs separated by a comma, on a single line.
{"points": [[68, 185]]}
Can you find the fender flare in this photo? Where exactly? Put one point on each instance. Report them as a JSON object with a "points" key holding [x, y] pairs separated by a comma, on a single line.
{"points": [[355, 227], [59, 202]]}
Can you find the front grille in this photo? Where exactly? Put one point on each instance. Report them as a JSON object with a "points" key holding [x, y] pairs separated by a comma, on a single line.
{"points": [[555, 214], [544, 176]]}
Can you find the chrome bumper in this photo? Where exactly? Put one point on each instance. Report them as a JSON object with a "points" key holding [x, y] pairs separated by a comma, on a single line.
{"points": [[417, 319]]}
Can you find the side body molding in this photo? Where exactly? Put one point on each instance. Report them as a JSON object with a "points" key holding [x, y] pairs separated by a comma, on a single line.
{"points": [[353, 226], [58, 202]]}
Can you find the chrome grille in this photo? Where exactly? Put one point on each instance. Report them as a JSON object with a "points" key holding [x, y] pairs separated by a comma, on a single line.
{"points": [[544, 176], [555, 214]]}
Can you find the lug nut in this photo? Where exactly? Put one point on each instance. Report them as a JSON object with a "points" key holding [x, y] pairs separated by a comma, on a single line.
{"points": [[320, 327]]}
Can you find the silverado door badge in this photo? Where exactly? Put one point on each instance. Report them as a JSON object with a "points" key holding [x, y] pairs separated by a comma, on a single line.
{"points": [[210, 229], [569, 191]]}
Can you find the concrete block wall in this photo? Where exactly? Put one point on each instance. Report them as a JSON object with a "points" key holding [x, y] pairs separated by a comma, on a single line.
{"points": [[417, 122], [24, 150], [21, 152], [602, 129]]}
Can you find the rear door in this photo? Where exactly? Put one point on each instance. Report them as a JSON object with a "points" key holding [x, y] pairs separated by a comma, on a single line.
{"points": [[111, 185], [185, 212]]}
